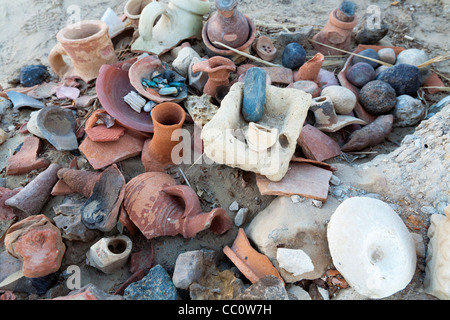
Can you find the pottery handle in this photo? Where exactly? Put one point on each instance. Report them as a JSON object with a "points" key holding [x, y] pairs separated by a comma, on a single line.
{"points": [[56, 61], [190, 198], [148, 17]]}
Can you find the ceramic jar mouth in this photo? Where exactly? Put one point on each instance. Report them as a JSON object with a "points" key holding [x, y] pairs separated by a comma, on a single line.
{"points": [[168, 114], [83, 31], [117, 246], [342, 24], [134, 8]]}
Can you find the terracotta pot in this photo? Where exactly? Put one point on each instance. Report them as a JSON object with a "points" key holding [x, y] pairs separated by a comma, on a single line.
{"points": [[359, 111], [112, 85], [159, 207], [157, 151], [218, 69], [32, 198], [38, 243], [310, 70], [88, 45], [250, 262], [335, 33]]}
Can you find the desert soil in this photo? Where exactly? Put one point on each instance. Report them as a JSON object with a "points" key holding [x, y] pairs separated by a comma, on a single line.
{"points": [[28, 33]]}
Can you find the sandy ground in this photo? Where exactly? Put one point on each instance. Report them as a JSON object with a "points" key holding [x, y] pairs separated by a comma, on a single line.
{"points": [[28, 34]]}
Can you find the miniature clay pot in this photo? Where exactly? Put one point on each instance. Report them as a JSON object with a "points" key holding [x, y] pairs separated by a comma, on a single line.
{"points": [[101, 209], [265, 48], [38, 243], [112, 85], [133, 10], [326, 118], [224, 24], [159, 207], [88, 45], [157, 151], [178, 20], [310, 69], [218, 69], [57, 125], [143, 69], [32, 198], [110, 254], [250, 262], [335, 33]]}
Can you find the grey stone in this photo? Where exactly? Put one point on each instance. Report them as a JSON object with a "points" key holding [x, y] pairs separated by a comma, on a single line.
{"points": [[234, 206], [267, 288], [387, 55], [408, 111], [189, 268], [240, 217], [414, 57], [156, 285]]}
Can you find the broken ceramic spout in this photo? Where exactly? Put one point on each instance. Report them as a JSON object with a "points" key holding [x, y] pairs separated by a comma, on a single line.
{"points": [[218, 69], [179, 20], [159, 207]]}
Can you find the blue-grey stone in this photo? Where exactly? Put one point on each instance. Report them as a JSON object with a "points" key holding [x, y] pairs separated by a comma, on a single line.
{"points": [[294, 56], [156, 285], [360, 74], [254, 94], [370, 53], [404, 78], [33, 75]]}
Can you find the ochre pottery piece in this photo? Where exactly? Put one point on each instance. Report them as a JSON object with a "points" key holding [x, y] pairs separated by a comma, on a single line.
{"points": [[250, 262], [157, 151], [88, 45], [218, 69], [159, 207], [265, 48], [26, 159], [335, 33], [38, 243], [310, 69]]}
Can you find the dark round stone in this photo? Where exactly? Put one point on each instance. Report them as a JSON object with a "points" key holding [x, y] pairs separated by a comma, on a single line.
{"points": [[294, 56], [404, 78], [370, 53], [360, 73], [377, 97], [33, 75]]}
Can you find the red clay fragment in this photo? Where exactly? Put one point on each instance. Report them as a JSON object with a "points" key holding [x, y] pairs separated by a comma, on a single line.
{"points": [[101, 133], [301, 179], [316, 145], [6, 212], [26, 159]]}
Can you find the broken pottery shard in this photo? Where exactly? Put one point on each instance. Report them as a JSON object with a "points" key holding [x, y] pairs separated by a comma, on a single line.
{"points": [[32, 198], [89, 292], [103, 154], [101, 210], [37, 242], [101, 133], [250, 262], [316, 145], [6, 212], [370, 135], [64, 92], [302, 179], [280, 75], [57, 125], [26, 159], [79, 181], [20, 100], [437, 279]]}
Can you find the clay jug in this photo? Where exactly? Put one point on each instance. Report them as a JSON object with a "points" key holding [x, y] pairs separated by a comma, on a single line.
{"points": [[159, 207], [179, 20], [157, 151], [228, 25], [88, 45]]}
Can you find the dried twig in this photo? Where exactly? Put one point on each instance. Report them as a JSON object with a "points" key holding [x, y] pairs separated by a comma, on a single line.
{"points": [[434, 60], [247, 55]]}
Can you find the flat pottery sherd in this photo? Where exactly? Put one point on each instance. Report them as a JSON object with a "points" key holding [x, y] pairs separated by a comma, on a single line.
{"points": [[20, 100], [317, 145], [57, 125], [250, 262], [26, 159], [101, 210], [38, 243], [154, 203], [101, 133]]}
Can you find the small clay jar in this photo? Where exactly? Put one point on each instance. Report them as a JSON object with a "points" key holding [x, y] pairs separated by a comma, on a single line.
{"points": [[159, 207], [157, 151], [335, 33], [228, 25]]}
